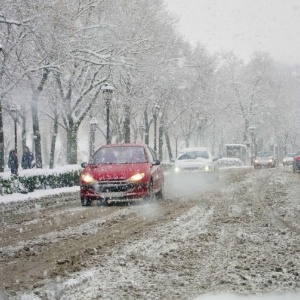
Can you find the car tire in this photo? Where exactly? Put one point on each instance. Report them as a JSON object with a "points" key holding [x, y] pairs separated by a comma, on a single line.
{"points": [[150, 196], [161, 194], [86, 202], [103, 202]]}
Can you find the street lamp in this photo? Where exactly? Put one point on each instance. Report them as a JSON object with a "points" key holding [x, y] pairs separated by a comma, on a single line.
{"points": [[252, 130], [155, 110], [93, 126], [14, 110], [107, 93]]}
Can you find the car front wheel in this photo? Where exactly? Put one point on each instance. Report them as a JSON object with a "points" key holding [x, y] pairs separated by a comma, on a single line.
{"points": [[86, 202], [161, 193], [150, 196]]}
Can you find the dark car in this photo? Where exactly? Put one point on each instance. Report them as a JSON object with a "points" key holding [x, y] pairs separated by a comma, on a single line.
{"points": [[264, 159], [121, 172], [296, 162]]}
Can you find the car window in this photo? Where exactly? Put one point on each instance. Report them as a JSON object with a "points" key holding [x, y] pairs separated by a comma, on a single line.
{"points": [[194, 155], [152, 154], [119, 155], [264, 154]]}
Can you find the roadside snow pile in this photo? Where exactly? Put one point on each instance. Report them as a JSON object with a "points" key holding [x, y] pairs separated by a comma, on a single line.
{"points": [[45, 172]]}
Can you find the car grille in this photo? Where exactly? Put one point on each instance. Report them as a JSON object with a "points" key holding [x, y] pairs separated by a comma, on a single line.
{"points": [[191, 168], [113, 186]]}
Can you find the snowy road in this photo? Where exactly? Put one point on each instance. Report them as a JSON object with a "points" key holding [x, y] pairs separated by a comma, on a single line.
{"points": [[240, 236]]}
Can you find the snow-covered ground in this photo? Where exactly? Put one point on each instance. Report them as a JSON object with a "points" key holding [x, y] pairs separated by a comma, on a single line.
{"points": [[240, 239]]}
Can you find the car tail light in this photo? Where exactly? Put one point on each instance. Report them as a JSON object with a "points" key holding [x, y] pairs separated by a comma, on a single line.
{"points": [[297, 158]]}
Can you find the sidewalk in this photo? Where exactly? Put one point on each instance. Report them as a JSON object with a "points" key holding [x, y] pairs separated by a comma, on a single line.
{"points": [[37, 194]]}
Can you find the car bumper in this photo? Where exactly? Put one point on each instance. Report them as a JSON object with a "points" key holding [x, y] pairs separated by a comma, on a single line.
{"points": [[264, 164], [114, 191], [200, 174]]}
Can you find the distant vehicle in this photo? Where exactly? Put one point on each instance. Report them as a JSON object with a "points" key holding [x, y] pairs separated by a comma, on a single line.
{"points": [[296, 162], [229, 162], [264, 159], [236, 151], [121, 172], [288, 160], [197, 160]]}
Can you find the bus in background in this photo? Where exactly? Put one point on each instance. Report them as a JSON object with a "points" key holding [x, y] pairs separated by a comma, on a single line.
{"points": [[236, 151]]}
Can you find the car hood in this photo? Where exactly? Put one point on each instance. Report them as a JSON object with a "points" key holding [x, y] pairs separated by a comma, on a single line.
{"points": [[266, 158], [193, 162], [116, 171]]}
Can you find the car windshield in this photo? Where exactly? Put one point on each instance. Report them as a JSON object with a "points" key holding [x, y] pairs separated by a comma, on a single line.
{"points": [[119, 155], [194, 155], [264, 154]]}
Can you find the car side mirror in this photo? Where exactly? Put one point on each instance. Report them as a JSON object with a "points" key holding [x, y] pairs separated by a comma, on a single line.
{"points": [[215, 159], [83, 165], [156, 162]]}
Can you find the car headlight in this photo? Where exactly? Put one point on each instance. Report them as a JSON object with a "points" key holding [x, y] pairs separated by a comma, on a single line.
{"points": [[176, 169], [137, 177], [271, 160], [87, 178], [207, 168], [256, 161]]}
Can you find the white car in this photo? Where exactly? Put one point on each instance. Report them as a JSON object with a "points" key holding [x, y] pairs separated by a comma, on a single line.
{"points": [[196, 160], [288, 160]]}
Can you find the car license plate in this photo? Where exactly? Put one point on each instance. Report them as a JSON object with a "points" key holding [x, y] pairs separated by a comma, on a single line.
{"points": [[113, 195]]}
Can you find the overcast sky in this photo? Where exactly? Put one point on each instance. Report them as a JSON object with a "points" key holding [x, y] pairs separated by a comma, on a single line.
{"points": [[243, 26]]}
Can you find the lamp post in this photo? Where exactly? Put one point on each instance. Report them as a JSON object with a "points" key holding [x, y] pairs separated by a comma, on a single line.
{"points": [[107, 93], [93, 126], [14, 110], [155, 110], [252, 130]]}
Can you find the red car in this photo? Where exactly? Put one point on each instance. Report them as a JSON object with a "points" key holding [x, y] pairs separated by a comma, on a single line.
{"points": [[121, 172]]}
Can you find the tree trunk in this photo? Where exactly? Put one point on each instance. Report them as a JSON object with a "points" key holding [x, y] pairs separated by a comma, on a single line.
{"points": [[35, 119], [147, 127], [23, 125], [36, 131], [2, 162], [168, 145], [160, 139], [72, 142], [245, 137], [53, 142], [126, 124]]}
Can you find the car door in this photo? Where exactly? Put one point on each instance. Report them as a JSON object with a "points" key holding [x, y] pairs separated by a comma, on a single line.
{"points": [[156, 171]]}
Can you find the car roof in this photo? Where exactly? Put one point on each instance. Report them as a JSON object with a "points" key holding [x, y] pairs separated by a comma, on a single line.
{"points": [[123, 145], [194, 149]]}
